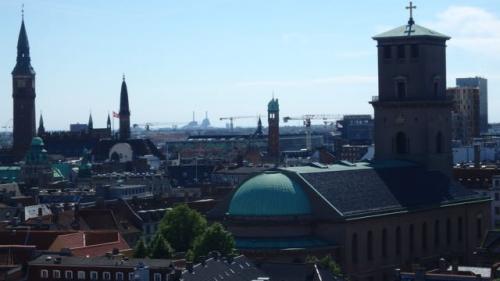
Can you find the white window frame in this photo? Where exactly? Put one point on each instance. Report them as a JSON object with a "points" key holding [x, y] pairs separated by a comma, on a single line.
{"points": [[68, 275], [44, 273], [157, 277], [56, 274], [131, 276], [106, 275], [81, 275], [94, 275]]}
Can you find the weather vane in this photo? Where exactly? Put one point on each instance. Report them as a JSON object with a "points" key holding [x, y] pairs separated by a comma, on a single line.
{"points": [[22, 11]]}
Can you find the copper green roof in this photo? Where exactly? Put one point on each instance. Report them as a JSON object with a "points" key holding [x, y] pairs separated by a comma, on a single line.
{"points": [[37, 141], [270, 194], [273, 105], [9, 173], [404, 31], [281, 243]]}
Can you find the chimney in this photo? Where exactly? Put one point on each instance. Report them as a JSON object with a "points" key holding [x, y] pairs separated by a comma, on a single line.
{"points": [[477, 155]]}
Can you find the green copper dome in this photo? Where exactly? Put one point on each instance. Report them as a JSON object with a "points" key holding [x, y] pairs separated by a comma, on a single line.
{"points": [[37, 141], [270, 194], [273, 105]]}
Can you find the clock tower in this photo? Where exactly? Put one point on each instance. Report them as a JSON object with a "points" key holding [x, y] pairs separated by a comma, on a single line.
{"points": [[23, 94], [412, 113]]}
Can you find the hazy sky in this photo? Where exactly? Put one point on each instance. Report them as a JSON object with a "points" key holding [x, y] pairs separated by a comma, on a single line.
{"points": [[226, 56]]}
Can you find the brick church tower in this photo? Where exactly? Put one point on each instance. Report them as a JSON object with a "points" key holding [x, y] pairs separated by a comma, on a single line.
{"points": [[124, 112], [273, 119], [412, 113], [23, 94]]}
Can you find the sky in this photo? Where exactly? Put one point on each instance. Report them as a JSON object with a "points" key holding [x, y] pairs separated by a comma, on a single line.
{"points": [[227, 57]]}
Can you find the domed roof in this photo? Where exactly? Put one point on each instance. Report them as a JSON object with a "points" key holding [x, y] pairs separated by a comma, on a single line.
{"points": [[37, 141], [270, 194]]}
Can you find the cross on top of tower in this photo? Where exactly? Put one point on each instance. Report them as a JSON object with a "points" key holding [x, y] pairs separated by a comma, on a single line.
{"points": [[411, 7]]}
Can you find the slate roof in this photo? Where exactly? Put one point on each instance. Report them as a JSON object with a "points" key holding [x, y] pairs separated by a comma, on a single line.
{"points": [[416, 30], [241, 269], [100, 262], [140, 147], [369, 189]]}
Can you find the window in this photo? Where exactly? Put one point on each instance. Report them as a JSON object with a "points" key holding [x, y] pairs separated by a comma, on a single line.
{"points": [[436, 234], [119, 276], [93, 275], [497, 210], [68, 274], [384, 243], [398, 241], [131, 275], [497, 196], [401, 143], [435, 89], [81, 275], [106, 276], [401, 89], [439, 142], [479, 227], [414, 51], [424, 236], [411, 238], [448, 231], [56, 274], [354, 248], [459, 229], [387, 52], [401, 52], [44, 273], [157, 277], [369, 245]]}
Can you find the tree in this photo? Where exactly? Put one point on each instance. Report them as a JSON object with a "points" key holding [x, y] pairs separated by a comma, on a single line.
{"points": [[327, 262], [215, 238], [159, 248], [140, 250], [181, 225]]}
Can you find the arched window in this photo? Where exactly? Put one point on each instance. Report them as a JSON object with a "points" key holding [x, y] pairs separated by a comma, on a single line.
{"points": [[424, 236], [439, 142], [448, 231], [369, 245], [479, 226], [384, 243], [398, 241], [436, 234], [354, 248], [460, 229], [401, 143], [411, 238]]}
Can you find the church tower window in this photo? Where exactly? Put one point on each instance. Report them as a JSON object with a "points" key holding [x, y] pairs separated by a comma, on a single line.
{"points": [[401, 51], [398, 241], [369, 246], [411, 238], [424, 236], [387, 52], [460, 229], [439, 142], [414, 51], [354, 248], [436, 234], [400, 88], [384, 243], [401, 143]]}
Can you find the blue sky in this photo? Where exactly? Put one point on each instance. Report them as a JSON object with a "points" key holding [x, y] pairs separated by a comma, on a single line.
{"points": [[227, 56]]}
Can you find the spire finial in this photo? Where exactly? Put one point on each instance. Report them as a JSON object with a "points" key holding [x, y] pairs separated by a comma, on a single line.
{"points": [[273, 94], [411, 7], [123, 77], [22, 11]]}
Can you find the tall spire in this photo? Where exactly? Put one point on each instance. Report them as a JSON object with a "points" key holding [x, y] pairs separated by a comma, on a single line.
{"points": [[23, 65], [90, 125], [124, 112], [108, 123], [41, 127]]}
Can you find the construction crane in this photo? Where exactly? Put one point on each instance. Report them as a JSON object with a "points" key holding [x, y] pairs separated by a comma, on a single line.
{"points": [[307, 123], [7, 125], [232, 118]]}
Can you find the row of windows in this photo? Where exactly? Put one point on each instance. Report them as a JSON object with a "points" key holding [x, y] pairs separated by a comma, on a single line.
{"points": [[94, 275], [411, 238], [401, 88], [401, 51]]}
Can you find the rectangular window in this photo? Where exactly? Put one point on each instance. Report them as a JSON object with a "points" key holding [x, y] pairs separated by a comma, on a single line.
{"points": [[68, 274], [414, 51], [497, 196], [401, 88], [106, 276], [157, 277], [448, 232], [387, 52], [460, 229], [436, 234], [497, 210], [44, 274], [93, 275], [119, 276], [56, 274], [81, 275], [401, 52], [411, 238], [131, 276], [424, 236]]}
